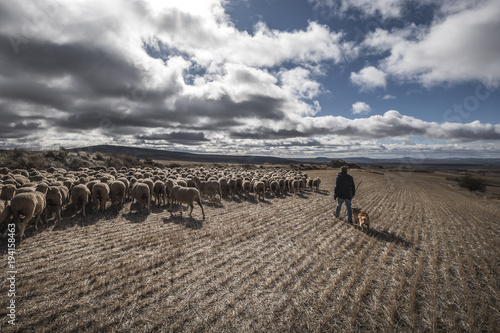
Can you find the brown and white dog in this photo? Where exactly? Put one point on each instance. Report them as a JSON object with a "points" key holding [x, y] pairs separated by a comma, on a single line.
{"points": [[362, 218]]}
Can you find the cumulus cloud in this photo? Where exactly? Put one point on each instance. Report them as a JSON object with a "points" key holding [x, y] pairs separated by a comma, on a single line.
{"points": [[180, 74], [360, 108], [460, 47], [369, 78]]}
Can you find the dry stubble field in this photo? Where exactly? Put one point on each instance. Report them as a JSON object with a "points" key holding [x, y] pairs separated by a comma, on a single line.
{"points": [[431, 263]]}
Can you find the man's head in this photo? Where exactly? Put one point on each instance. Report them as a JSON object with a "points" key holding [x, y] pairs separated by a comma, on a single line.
{"points": [[343, 169]]}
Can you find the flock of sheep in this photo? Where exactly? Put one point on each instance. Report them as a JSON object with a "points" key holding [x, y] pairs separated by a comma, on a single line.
{"points": [[26, 195]]}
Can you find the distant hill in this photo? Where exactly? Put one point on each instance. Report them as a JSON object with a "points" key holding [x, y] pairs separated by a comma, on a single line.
{"points": [[409, 162], [166, 155]]}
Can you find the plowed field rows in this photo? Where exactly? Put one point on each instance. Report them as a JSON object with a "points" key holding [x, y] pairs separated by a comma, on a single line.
{"points": [[430, 263]]}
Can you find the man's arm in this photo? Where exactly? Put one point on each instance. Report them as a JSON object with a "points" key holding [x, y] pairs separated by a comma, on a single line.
{"points": [[353, 187]]}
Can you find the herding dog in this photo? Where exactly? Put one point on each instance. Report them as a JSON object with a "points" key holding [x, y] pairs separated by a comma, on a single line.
{"points": [[362, 218]]}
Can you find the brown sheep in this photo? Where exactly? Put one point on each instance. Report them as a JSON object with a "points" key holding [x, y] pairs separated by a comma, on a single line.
{"points": [[55, 200], [23, 204], [5, 211], [8, 192]]}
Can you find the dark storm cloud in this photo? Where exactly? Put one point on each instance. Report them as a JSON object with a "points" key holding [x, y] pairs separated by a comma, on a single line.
{"points": [[257, 106], [99, 71], [186, 138]]}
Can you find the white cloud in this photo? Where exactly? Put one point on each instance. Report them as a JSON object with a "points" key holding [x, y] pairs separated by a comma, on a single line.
{"points": [[360, 108], [461, 47], [388, 96], [369, 78]]}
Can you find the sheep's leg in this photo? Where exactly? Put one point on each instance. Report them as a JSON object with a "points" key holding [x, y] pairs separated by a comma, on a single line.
{"points": [[201, 206], [36, 222], [23, 225], [191, 211]]}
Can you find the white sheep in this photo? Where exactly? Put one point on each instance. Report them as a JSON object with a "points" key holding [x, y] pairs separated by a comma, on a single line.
{"points": [[259, 188], [274, 186], [212, 188], [117, 192], [41, 206], [80, 196], [246, 186], [316, 183], [232, 185], [140, 192], [160, 192], [100, 193], [187, 195]]}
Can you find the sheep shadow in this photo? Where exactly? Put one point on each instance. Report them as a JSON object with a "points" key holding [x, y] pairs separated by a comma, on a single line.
{"points": [[213, 204], [322, 192], [187, 222], [135, 216], [302, 195]]}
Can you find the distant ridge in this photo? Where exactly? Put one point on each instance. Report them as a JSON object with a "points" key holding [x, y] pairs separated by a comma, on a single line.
{"points": [[410, 162], [166, 155]]}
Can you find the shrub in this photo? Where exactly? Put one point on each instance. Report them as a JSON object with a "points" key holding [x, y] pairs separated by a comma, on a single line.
{"points": [[473, 183]]}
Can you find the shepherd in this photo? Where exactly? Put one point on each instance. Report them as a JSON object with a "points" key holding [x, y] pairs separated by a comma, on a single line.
{"points": [[344, 191]]}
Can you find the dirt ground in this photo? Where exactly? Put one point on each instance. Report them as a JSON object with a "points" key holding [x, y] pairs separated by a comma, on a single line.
{"points": [[430, 263]]}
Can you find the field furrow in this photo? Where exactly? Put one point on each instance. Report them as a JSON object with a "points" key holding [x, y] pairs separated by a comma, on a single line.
{"points": [[429, 263]]}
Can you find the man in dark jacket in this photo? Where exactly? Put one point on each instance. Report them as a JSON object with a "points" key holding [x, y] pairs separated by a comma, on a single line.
{"points": [[344, 191]]}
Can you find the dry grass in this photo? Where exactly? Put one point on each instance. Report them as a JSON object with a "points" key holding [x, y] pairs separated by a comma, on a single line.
{"points": [[431, 263]]}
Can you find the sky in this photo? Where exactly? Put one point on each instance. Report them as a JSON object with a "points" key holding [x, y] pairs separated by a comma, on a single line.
{"points": [[305, 78]]}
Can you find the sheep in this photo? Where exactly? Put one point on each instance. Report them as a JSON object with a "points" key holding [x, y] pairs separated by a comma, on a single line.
{"points": [[316, 183], [41, 206], [127, 185], [23, 204], [246, 186], [224, 186], [232, 185], [55, 199], [8, 192], [295, 186], [160, 192], [5, 211], [151, 185], [80, 195], [259, 188], [275, 187], [187, 195], [141, 193], [117, 192], [100, 193], [211, 188]]}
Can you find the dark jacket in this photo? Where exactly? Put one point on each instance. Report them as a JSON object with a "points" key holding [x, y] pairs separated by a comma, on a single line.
{"points": [[344, 186]]}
